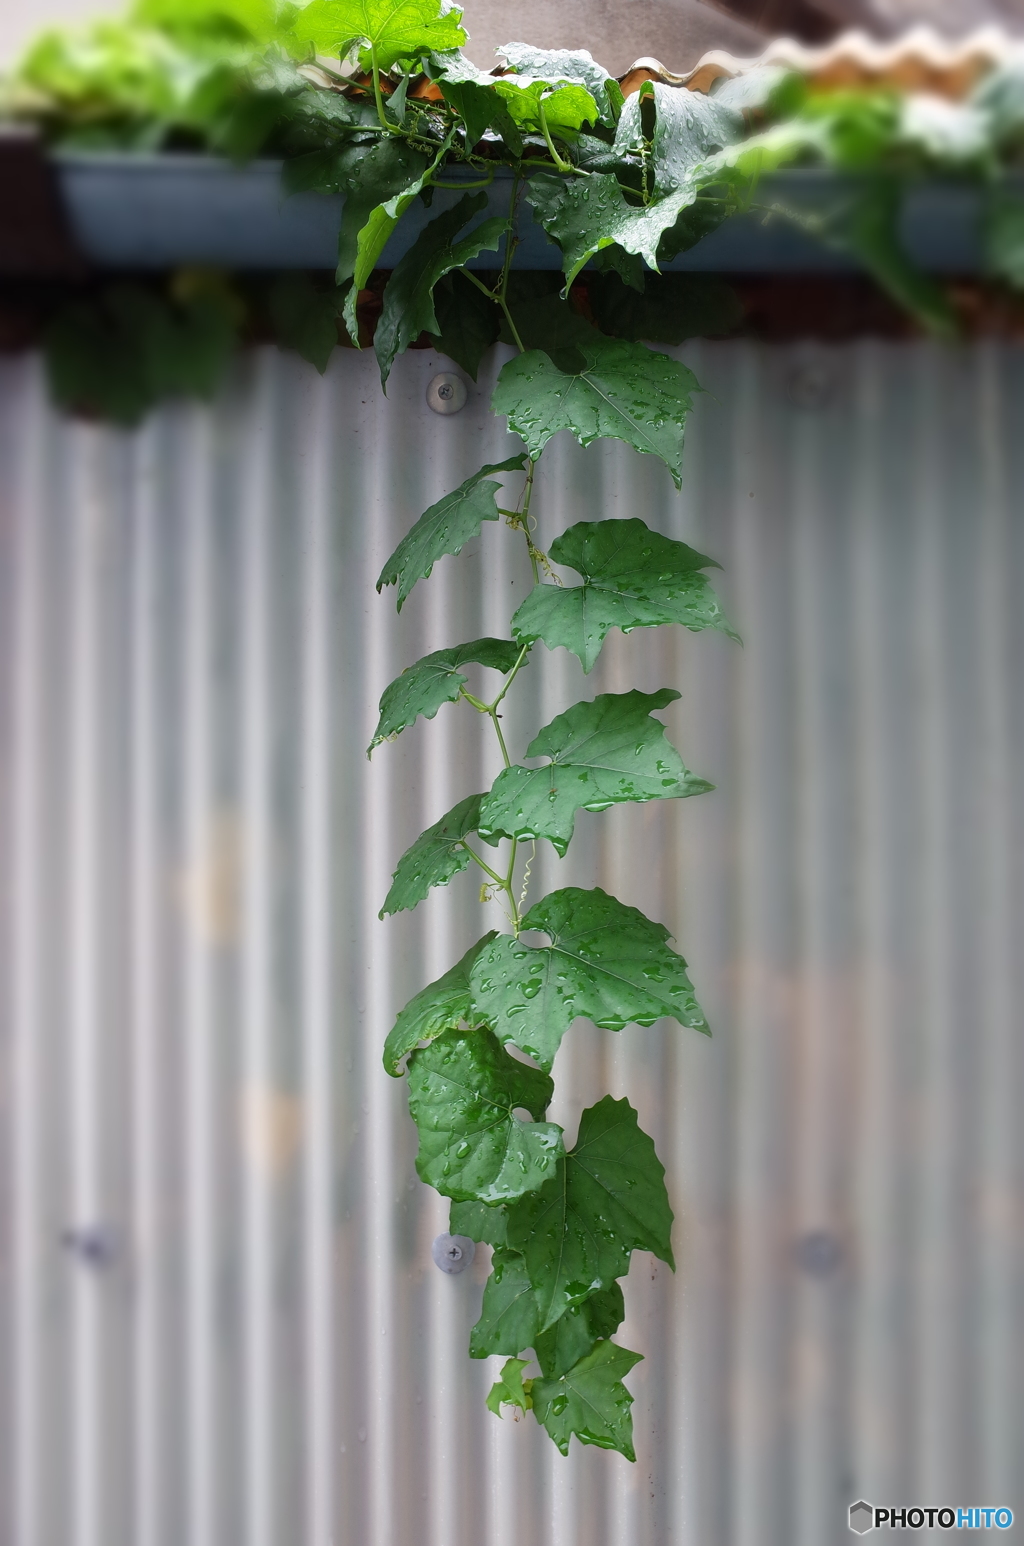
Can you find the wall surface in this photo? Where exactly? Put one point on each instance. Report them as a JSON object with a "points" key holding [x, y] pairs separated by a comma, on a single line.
{"points": [[219, 1320]]}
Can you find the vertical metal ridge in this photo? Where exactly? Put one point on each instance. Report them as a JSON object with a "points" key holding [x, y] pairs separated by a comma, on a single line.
{"points": [[203, 1440], [28, 1071], [317, 580]]}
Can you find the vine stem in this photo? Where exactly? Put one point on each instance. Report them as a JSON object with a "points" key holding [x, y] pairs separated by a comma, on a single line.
{"points": [[377, 97], [563, 166]]}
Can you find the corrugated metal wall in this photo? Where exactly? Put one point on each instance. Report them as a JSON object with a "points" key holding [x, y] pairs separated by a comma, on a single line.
{"points": [[221, 1323]]}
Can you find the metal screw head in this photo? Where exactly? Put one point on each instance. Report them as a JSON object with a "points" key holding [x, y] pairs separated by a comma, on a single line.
{"points": [[446, 393], [818, 1253], [94, 1245], [453, 1253], [811, 386]]}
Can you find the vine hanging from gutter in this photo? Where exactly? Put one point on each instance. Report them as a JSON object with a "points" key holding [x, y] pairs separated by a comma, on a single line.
{"points": [[375, 100]]}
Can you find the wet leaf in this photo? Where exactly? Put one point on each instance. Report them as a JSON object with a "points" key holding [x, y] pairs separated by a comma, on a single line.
{"points": [[396, 29], [590, 1401], [508, 1318], [479, 1222], [586, 215], [562, 64], [408, 299], [437, 855], [625, 391], [603, 753], [463, 1091], [633, 578], [607, 1199], [606, 962], [445, 528], [436, 679], [575, 1333], [511, 1389], [438, 1007]]}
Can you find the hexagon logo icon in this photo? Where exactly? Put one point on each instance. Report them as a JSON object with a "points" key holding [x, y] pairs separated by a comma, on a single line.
{"points": [[862, 1517]]}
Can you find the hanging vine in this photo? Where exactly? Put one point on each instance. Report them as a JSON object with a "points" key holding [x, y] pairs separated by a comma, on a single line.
{"points": [[376, 101]]}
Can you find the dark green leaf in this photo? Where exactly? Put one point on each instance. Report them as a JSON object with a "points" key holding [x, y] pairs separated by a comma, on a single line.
{"points": [[590, 1401], [479, 1222], [625, 392], [602, 753], [607, 1200], [445, 528], [545, 321], [508, 1319], [633, 578], [1004, 238], [463, 1092], [440, 1006], [574, 1333], [437, 855], [408, 300], [481, 108], [669, 309], [606, 961], [587, 214], [305, 317], [396, 29], [511, 1389], [436, 679], [467, 322]]}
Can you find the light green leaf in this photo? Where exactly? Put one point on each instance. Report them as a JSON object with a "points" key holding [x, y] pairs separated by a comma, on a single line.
{"points": [[606, 962], [479, 1221], [437, 855], [394, 29], [408, 300], [561, 64], [445, 528], [574, 1333], [633, 578], [438, 1007], [625, 392], [463, 1092], [607, 1200], [565, 107], [602, 753], [511, 1389], [590, 1401], [587, 214], [508, 1318], [436, 679]]}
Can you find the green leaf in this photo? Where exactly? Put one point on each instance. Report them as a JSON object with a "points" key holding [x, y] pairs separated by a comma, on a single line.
{"points": [[445, 528], [587, 214], [561, 64], [1004, 238], [511, 1389], [370, 240], [463, 1092], [688, 126], [574, 1333], [590, 1401], [437, 855], [633, 578], [869, 228], [394, 29], [565, 107], [369, 176], [625, 392], [436, 679], [408, 300], [481, 108], [508, 1318], [602, 753], [305, 317], [607, 1200], [668, 308], [467, 322], [606, 961], [545, 321], [479, 1221], [438, 1007]]}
